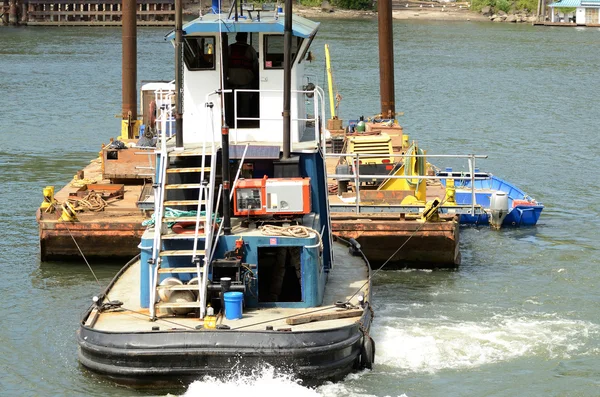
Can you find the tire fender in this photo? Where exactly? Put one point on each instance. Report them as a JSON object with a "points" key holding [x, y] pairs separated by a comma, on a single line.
{"points": [[367, 352]]}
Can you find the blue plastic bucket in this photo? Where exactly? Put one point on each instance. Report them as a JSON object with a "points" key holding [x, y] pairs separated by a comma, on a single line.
{"points": [[233, 305]]}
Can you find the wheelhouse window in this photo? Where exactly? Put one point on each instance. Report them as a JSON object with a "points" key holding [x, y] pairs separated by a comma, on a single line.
{"points": [[199, 52], [273, 44]]}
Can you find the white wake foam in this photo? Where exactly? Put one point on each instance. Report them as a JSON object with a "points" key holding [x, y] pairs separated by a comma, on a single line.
{"points": [[264, 382], [267, 382], [430, 345]]}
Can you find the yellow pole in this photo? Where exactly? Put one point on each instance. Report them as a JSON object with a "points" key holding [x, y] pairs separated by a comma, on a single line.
{"points": [[329, 81]]}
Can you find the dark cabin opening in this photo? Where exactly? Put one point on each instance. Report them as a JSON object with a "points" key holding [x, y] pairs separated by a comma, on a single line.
{"points": [[279, 274], [242, 72]]}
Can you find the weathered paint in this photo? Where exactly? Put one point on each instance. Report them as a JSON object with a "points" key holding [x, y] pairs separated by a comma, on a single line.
{"points": [[99, 239], [432, 245]]}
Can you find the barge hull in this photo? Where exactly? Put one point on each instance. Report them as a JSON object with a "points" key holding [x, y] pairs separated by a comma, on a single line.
{"points": [[430, 245], [95, 239]]}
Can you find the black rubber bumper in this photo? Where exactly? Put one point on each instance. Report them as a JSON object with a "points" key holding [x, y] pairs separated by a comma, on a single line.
{"points": [[147, 357]]}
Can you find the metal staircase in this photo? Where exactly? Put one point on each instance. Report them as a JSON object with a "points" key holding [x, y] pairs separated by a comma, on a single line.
{"points": [[169, 249]]}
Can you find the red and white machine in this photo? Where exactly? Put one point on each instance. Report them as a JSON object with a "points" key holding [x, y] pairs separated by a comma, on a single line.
{"points": [[275, 196]]}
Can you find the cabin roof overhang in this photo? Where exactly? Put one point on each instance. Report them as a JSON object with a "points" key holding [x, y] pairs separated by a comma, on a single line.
{"points": [[216, 23], [576, 4]]}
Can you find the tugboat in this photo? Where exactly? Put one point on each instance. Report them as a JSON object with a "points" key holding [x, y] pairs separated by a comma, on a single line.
{"points": [[235, 274]]}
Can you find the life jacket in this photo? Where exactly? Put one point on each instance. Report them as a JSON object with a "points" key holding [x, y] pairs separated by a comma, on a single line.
{"points": [[238, 58]]}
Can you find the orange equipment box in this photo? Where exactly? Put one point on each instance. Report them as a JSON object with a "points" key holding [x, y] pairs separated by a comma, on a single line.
{"points": [[275, 196]]}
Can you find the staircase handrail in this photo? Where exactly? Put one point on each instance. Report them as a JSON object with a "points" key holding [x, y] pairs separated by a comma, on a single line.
{"points": [[159, 194]]}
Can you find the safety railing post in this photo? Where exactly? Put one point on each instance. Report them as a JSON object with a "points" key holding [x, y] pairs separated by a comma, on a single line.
{"points": [[472, 171], [315, 112], [357, 181]]}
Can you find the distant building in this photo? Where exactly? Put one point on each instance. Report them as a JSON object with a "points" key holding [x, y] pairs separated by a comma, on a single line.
{"points": [[587, 12]]}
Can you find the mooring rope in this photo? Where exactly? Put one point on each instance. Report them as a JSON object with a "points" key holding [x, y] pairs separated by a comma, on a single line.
{"points": [[93, 201], [297, 231]]}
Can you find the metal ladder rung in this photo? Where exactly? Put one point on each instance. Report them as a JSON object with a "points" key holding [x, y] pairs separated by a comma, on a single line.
{"points": [[183, 287], [187, 169], [184, 219], [174, 305], [181, 253], [184, 202], [169, 270], [183, 236], [183, 186]]}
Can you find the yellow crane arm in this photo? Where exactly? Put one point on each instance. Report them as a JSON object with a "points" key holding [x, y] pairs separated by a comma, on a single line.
{"points": [[330, 81]]}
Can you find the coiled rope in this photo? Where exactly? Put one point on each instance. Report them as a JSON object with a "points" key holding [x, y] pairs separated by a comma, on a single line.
{"points": [[92, 202], [297, 231], [76, 182]]}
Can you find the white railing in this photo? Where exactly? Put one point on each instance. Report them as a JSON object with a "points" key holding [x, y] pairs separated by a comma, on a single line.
{"points": [[356, 176], [165, 112], [164, 103]]}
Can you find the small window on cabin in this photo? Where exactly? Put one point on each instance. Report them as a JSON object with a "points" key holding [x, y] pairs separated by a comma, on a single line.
{"points": [[274, 51], [199, 53]]}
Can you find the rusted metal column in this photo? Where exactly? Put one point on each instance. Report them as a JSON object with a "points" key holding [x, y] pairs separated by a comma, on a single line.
{"points": [[386, 59], [24, 6], [4, 14], [179, 73], [12, 13], [129, 38], [287, 77]]}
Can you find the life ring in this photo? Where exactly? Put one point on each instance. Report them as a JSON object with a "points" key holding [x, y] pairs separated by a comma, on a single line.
{"points": [[367, 352], [152, 114]]}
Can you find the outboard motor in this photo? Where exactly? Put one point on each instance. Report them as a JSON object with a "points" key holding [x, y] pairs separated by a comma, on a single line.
{"points": [[498, 209]]}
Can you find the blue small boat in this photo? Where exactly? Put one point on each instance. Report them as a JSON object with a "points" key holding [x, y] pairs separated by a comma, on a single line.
{"points": [[521, 209]]}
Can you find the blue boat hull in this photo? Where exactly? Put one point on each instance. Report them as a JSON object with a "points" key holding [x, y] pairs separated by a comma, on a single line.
{"points": [[523, 210]]}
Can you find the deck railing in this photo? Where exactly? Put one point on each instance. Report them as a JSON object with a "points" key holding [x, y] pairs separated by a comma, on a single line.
{"points": [[357, 177], [318, 111]]}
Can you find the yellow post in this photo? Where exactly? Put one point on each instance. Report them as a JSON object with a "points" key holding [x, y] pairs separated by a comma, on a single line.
{"points": [[450, 198], [125, 128], [68, 213], [49, 201], [329, 81]]}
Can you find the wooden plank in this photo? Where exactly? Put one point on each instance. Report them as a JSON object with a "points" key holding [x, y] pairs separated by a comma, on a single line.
{"points": [[182, 287], [177, 305], [183, 202], [183, 186], [325, 316], [168, 270], [182, 253], [187, 169], [184, 219], [183, 236]]}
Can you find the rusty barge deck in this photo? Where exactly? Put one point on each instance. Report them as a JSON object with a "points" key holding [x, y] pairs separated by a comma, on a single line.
{"points": [[380, 226], [393, 234], [114, 232]]}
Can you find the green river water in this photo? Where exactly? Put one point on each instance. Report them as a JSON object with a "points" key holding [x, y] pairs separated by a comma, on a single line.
{"points": [[520, 317]]}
